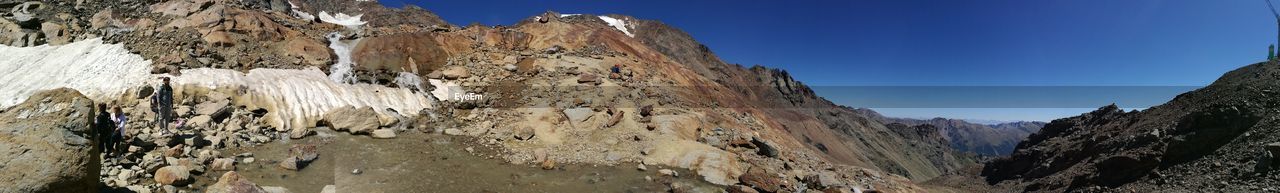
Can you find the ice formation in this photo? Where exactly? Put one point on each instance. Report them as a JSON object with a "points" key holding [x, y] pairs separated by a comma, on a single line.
{"points": [[409, 80], [341, 71], [103, 72], [342, 19], [298, 98], [295, 99], [619, 24]]}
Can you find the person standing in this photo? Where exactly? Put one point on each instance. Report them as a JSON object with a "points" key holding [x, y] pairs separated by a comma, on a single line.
{"points": [[102, 126], [117, 135], [162, 105]]}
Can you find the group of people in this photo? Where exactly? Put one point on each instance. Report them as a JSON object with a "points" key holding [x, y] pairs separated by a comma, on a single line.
{"points": [[110, 125]]}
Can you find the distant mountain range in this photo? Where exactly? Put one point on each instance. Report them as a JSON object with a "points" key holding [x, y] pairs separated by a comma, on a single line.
{"points": [[993, 139]]}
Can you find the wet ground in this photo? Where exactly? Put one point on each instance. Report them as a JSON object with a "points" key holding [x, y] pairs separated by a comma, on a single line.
{"points": [[416, 162]]}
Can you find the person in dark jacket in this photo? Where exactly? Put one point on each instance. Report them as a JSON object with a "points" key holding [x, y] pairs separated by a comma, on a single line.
{"points": [[162, 105], [102, 126]]}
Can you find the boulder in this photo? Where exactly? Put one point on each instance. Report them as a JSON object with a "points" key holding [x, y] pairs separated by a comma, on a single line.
{"points": [[617, 117], [353, 120], [217, 110], [173, 175], [47, 144], [307, 51], [232, 182], [587, 78], [523, 132], [394, 52], [55, 34], [758, 178], [199, 121], [384, 134], [668, 172], [291, 163], [456, 72], [305, 152], [578, 114], [223, 164], [12, 34]]}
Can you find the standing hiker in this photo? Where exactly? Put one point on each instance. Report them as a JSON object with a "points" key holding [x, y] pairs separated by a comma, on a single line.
{"points": [[117, 135], [162, 105], [102, 126]]}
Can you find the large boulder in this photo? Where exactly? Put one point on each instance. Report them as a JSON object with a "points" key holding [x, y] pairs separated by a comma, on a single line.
{"points": [[352, 119], [173, 175], [47, 144], [417, 53], [232, 182], [55, 34]]}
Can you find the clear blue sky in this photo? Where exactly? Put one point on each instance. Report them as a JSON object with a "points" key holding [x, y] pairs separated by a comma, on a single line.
{"points": [[947, 43]]}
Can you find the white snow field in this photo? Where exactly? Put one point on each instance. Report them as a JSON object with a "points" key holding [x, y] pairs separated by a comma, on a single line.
{"points": [[619, 24], [295, 99], [102, 72], [342, 19]]}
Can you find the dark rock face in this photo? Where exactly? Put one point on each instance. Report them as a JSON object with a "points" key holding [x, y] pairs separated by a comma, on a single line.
{"points": [[48, 144], [1209, 137]]}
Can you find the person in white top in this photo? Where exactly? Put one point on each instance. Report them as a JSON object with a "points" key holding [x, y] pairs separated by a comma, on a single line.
{"points": [[118, 134]]}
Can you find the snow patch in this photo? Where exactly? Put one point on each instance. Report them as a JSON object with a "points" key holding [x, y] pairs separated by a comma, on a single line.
{"points": [[569, 15], [102, 72], [298, 98], [342, 19], [341, 71], [445, 90], [299, 14], [409, 80], [619, 24]]}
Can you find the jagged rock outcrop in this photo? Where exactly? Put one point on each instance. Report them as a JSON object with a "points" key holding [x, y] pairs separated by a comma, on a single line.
{"points": [[47, 144]]}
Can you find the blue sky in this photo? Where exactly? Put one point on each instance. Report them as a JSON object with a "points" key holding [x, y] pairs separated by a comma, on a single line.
{"points": [[947, 43]]}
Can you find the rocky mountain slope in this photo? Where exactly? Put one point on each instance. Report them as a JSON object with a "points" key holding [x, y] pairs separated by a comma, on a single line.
{"points": [[981, 139], [248, 73], [1220, 138]]}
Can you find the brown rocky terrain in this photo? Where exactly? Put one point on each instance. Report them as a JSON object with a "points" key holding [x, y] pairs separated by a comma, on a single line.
{"points": [[546, 98], [1220, 138]]}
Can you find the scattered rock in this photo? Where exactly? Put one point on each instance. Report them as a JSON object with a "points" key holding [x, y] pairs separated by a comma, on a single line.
{"points": [[223, 164], [641, 167], [453, 131], [523, 132], [668, 172], [232, 182], [548, 164], [384, 134], [456, 72]]}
